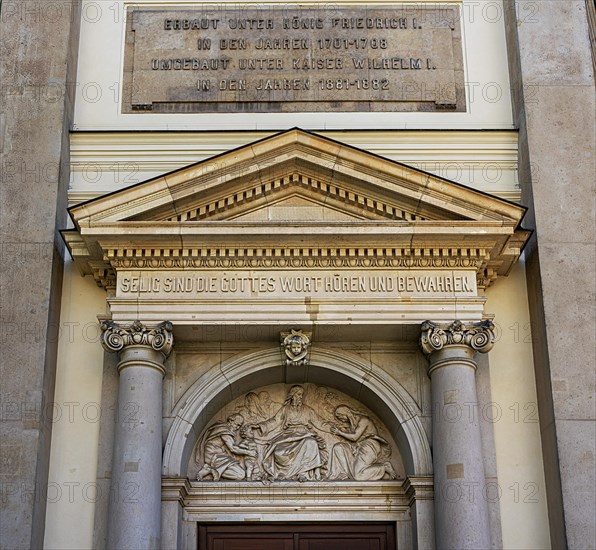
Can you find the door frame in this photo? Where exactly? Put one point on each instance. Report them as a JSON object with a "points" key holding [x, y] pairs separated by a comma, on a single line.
{"points": [[244, 529]]}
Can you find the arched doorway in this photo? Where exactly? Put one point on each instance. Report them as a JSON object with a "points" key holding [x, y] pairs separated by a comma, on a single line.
{"points": [[405, 504]]}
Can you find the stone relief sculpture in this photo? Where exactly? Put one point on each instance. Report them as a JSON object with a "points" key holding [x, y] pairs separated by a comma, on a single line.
{"points": [[269, 406], [294, 448], [251, 408], [265, 440], [223, 457], [365, 455]]}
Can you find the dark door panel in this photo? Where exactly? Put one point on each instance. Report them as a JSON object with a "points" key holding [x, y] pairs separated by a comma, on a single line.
{"points": [[297, 536], [256, 543], [345, 543]]}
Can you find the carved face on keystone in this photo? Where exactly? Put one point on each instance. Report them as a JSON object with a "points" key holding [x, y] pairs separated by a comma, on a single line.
{"points": [[296, 346]]}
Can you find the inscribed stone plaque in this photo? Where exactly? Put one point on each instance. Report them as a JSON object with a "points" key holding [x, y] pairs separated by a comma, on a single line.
{"points": [[223, 58]]}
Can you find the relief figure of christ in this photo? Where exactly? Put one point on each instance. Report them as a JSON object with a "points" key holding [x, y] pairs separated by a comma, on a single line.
{"points": [[294, 450]]}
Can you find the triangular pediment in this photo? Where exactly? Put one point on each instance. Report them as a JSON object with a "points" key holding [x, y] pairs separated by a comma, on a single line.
{"points": [[360, 183], [270, 193]]}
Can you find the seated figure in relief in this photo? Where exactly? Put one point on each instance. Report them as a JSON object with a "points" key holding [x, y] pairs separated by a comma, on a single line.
{"points": [[294, 450], [223, 458], [365, 454]]}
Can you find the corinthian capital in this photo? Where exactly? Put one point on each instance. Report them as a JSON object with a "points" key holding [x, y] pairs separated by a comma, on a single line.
{"points": [[435, 336], [115, 337]]}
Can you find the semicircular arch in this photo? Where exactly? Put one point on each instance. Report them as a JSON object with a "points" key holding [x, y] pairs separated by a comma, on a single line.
{"points": [[351, 374]]}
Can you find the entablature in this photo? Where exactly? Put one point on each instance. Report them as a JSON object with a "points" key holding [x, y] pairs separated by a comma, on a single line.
{"points": [[296, 201]]}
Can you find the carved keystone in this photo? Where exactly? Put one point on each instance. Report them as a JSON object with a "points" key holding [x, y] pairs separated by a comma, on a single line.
{"points": [[295, 345]]}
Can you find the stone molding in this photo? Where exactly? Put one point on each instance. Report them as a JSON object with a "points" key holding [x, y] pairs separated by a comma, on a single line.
{"points": [[246, 257], [435, 336], [104, 271], [419, 488], [301, 258], [394, 216], [306, 160], [344, 501], [334, 498], [116, 337], [103, 274], [352, 200]]}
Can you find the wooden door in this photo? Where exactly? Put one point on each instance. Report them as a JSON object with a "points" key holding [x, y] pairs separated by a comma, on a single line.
{"points": [[297, 536]]}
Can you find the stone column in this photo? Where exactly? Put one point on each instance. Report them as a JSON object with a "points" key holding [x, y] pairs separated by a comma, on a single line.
{"points": [[134, 519], [461, 511]]}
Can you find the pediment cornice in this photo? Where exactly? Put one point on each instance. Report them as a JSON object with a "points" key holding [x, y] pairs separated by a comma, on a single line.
{"points": [[372, 213]]}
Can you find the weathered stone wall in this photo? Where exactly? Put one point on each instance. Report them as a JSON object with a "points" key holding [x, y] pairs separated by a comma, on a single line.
{"points": [[38, 65], [554, 103]]}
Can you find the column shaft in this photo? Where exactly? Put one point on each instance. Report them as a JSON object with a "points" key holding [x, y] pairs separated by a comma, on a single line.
{"points": [[135, 505], [461, 511]]}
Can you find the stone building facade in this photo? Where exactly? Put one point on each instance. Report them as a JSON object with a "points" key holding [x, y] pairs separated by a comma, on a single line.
{"points": [[309, 299]]}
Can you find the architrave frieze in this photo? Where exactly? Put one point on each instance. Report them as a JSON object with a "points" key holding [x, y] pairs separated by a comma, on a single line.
{"points": [[489, 254], [202, 500]]}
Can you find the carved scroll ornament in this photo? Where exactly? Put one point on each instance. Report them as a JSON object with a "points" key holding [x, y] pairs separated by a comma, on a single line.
{"points": [[115, 337], [479, 336]]}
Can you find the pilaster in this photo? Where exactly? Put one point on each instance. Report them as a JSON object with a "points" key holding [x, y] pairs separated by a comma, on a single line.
{"points": [[38, 62], [552, 85]]}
